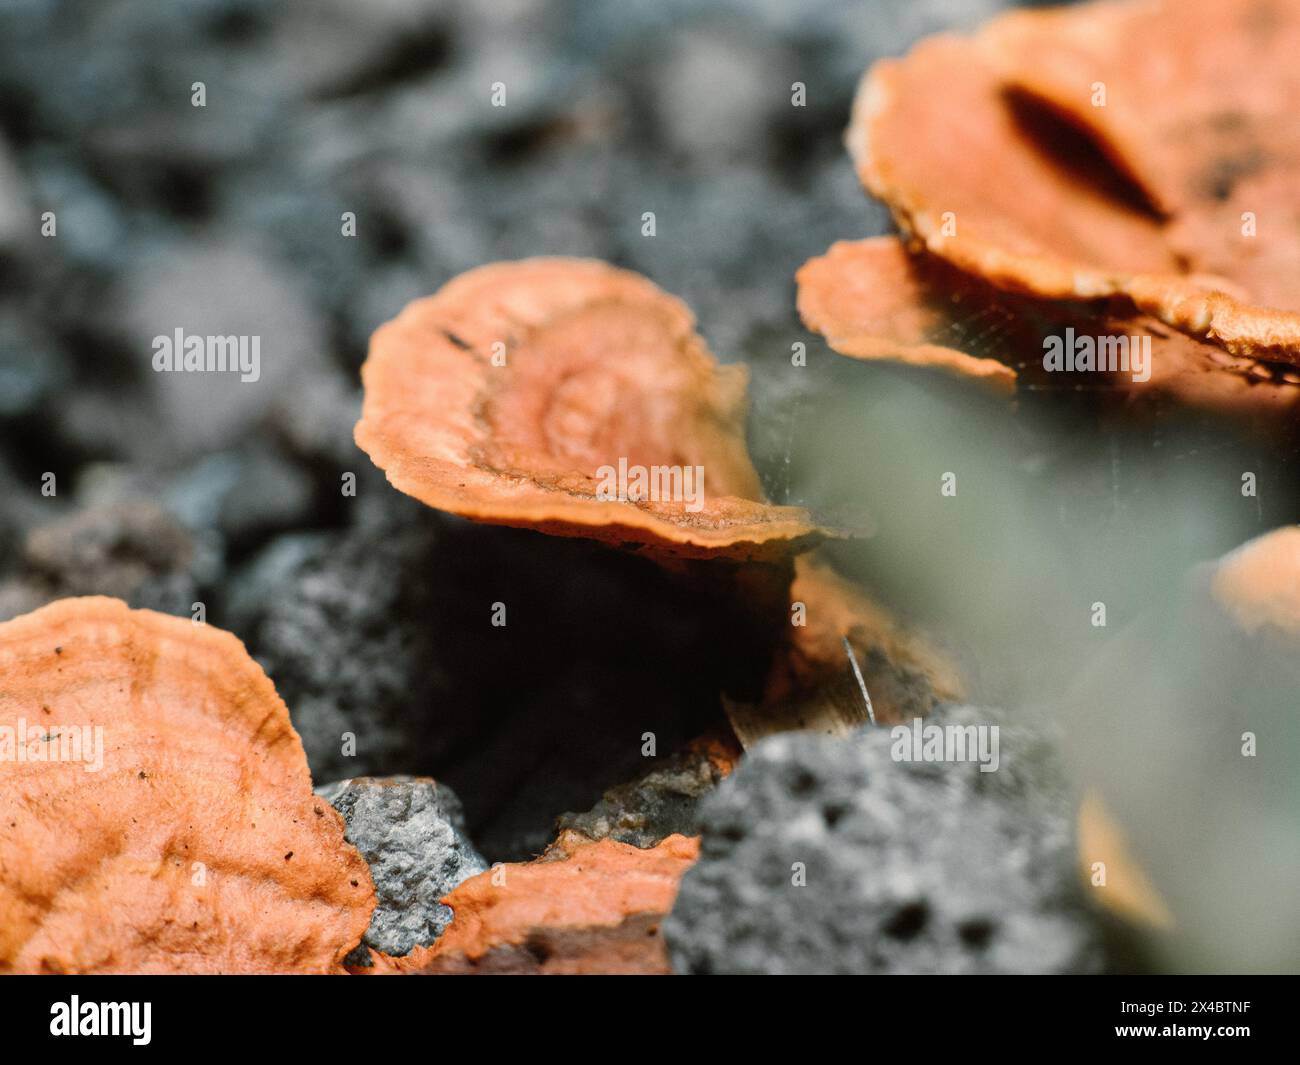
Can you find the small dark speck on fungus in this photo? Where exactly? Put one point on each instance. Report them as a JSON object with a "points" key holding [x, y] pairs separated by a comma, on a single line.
{"points": [[604, 371], [168, 694]]}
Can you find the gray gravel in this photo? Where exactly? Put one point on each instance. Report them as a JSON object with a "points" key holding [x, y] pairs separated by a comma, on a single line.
{"points": [[412, 832]]}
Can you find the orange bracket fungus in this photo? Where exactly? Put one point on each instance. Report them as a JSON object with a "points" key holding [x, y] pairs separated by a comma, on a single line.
{"points": [[515, 391], [568, 396], [873, 299], [513, 394], [156, 812], [582, 907], [1144, 149], [870, 299]]}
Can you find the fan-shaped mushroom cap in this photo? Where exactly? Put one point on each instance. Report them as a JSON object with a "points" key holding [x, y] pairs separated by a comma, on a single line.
{"points": [[512, 394], [196, 844], [1197, 111], [872, 299]]}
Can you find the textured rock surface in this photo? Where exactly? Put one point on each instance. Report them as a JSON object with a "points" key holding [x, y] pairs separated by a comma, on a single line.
{"points": [[135, 551], [216, 288], [663, 802], [411, 830], [384, 632], [345, 631], [910, 867]]}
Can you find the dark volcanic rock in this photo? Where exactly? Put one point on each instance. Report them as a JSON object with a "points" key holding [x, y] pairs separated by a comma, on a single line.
{"points": [[22, 510], [222, 287], [921, 867], [344, 631], [412, 832], [243, 495], [663, 802], [380, 640], [135, 551], [31, 363]]}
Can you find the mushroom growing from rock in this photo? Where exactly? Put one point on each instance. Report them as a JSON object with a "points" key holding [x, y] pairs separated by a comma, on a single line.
{"points": [[156, 811], [1129, 893], [848, 643], [1258, 586], [1144, 150], [511, 395]]}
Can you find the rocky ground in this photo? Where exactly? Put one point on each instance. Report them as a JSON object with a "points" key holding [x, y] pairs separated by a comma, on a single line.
{"points": [[371, 612], [171, 491]]}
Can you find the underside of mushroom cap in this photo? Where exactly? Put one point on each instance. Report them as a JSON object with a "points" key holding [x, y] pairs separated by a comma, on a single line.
{"points": [[873, 299], [195, 844], [534, 393], [1039, 184], [844, 635]]}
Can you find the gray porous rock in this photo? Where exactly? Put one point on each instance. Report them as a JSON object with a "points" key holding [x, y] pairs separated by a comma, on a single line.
{"points": [[908, 867], [411, 830], [342, 628]]}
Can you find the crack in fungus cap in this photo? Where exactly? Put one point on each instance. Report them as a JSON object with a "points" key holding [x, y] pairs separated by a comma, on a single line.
{"points": [[1138, 149]]}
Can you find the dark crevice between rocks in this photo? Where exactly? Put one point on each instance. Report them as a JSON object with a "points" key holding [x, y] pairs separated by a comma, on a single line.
{"points": [[388, 634], [416, 54]]}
